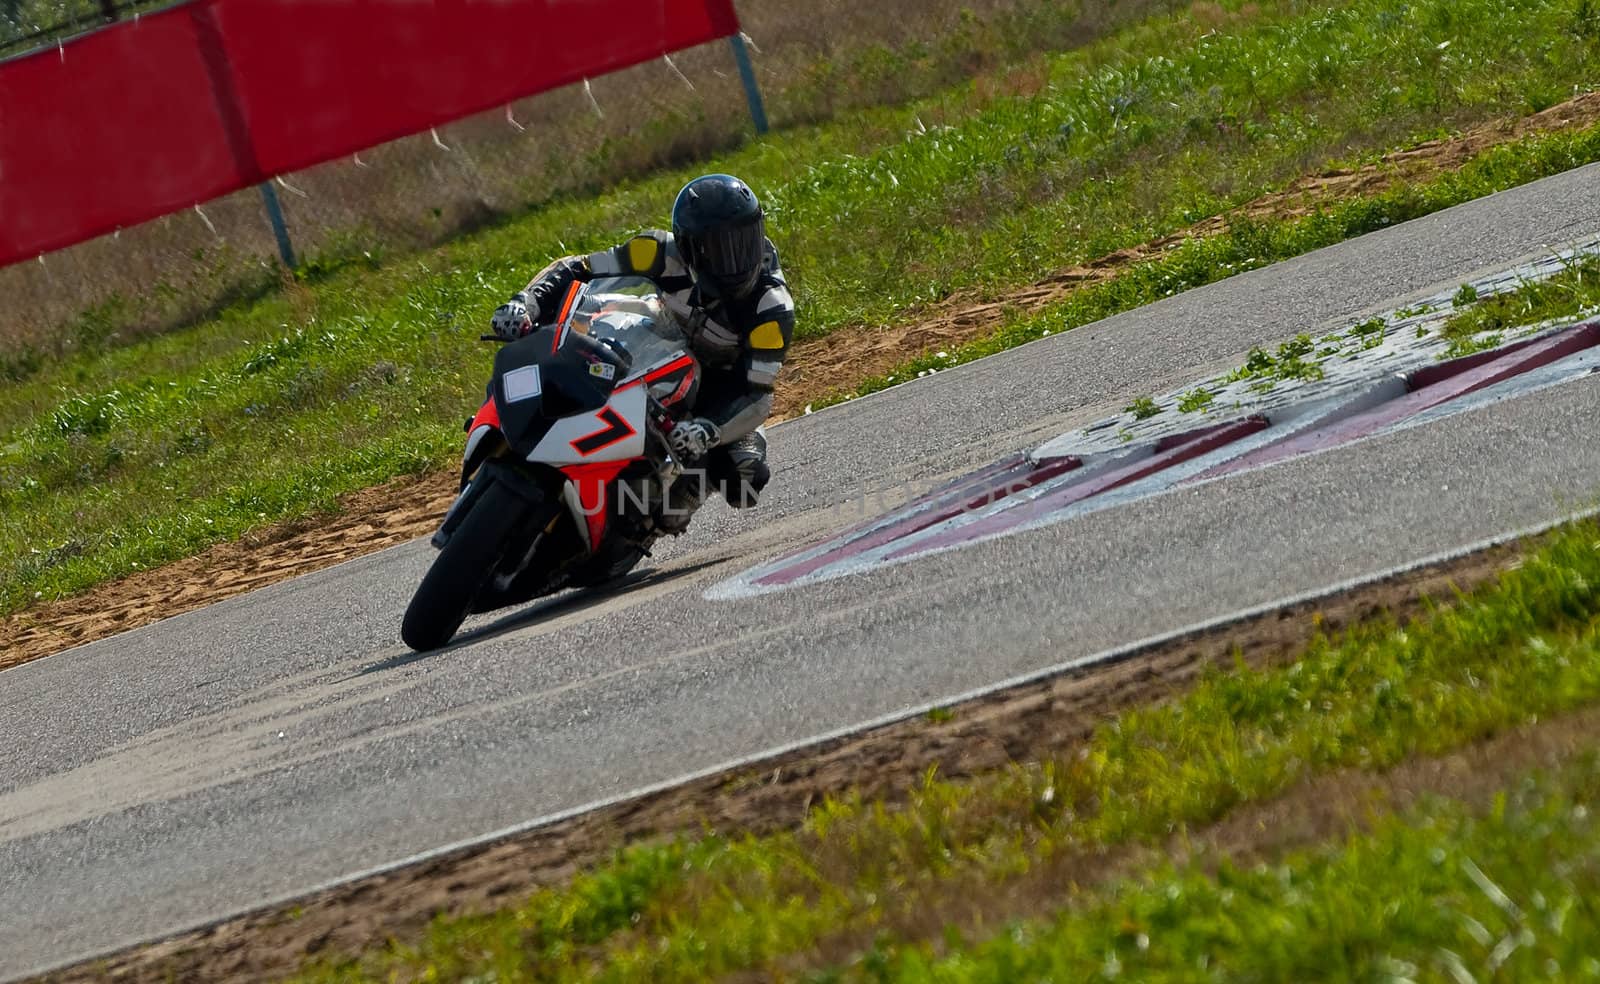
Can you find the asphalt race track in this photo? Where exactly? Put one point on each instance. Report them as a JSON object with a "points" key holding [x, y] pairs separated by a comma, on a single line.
{"points": [[286, 738]]}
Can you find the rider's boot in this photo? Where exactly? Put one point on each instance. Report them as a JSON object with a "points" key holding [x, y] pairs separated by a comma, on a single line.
{"points": [[685, 496], [740, 469]]}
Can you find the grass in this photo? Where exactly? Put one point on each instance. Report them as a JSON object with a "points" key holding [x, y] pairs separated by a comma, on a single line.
{"points": [[1266, 370], [1252, 243], [1142, 408], [116, 460], [25, 24], [1196, 400], [862, 877], [1480, 323], [1442, 893]]}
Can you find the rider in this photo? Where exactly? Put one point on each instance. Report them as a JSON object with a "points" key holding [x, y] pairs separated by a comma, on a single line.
{"points": [[718, 273]]}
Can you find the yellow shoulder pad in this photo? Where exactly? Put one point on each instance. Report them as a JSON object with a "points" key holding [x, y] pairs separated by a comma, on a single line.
{"points": [[642, 252], [767, 336]]}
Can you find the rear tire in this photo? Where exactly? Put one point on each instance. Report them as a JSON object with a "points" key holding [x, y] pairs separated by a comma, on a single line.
{"points": [[462, 568]]}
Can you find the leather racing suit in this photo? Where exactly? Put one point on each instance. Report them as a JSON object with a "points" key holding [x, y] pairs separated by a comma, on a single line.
{"points": [[741, 343]]}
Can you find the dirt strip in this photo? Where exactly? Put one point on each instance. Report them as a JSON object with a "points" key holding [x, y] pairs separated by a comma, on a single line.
{"points": [[367, 521], [402, 510], [1025, 723]]}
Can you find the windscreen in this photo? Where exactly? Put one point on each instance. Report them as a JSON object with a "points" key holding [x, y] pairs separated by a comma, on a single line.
{"points": [[628, 311]]}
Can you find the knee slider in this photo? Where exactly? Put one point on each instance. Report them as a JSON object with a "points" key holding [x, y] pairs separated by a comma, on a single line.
{"points": [[744, 486]]}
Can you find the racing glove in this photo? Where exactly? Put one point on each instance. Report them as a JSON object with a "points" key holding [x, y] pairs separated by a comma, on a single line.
{"points": [[691, 439], [514, 318]]}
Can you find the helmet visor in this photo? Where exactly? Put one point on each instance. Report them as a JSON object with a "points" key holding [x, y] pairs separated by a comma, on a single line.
{"points": [[729, 254]]}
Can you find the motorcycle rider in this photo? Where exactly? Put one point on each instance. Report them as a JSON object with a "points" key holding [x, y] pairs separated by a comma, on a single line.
{"points": [[719, 275]]}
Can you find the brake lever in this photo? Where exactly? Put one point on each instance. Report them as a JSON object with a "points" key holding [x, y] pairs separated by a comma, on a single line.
{"points": [[661, 424], [660, 417]]}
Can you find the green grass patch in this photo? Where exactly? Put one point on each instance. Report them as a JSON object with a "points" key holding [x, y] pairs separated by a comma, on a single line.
{"points": [[1442, 893], [1196, 400], [1481, 322], [1251, 243], [1524, 647], [1143, 408], [124, 458], [1266, 370]]}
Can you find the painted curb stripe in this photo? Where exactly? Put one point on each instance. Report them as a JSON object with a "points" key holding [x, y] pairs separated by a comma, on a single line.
{"points": [[1177, 450], [1055, 483], [1018, 478], [1438, 384]]}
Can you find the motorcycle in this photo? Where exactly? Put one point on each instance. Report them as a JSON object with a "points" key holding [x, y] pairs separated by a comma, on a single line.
{"points": [[566, 475]]}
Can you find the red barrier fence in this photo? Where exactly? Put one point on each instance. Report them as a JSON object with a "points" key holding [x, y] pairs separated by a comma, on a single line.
{"points": [[155, 115]]}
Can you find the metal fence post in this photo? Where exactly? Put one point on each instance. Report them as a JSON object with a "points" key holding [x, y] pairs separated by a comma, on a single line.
{"points": [[269, 196], [747, 74]]}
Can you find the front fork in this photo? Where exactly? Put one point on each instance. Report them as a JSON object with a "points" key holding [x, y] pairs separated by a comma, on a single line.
{"points": [[452, 519], [473, 458], [487, 469]]}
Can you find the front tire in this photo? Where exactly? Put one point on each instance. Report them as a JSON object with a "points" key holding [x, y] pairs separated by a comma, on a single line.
{"points": [[462, 568]]}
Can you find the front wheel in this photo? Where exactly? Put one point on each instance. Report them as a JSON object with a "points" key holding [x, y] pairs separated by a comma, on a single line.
{"points": [[460, 571]]}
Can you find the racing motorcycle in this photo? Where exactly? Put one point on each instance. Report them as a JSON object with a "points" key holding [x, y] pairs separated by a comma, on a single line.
{"points": [[566, 475]]}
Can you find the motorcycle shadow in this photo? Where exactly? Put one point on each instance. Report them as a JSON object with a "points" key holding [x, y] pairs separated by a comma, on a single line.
{"points": [[569, 602]]}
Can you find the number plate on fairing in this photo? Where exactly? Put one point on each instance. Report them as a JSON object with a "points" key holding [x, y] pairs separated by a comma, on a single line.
{"points": [[521, 384]]}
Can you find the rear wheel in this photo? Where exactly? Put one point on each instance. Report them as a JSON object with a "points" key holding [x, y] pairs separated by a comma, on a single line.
{"points": [[464, 565]]}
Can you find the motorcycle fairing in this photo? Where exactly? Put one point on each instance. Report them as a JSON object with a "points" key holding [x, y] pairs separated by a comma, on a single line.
{"points": [[586, 494], [614, 431], [608, 440], [564, 386], [575, 408], [671, 383], [488, 416], [481, 426], [563, 323]]}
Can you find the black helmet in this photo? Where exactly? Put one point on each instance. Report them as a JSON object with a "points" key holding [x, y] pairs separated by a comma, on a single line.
{"points": [[721, 233]]}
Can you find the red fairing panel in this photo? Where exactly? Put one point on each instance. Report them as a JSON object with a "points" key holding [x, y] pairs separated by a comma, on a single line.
{"points": [[487, 414], [592, 482], [146, 117], [683, 365]]}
